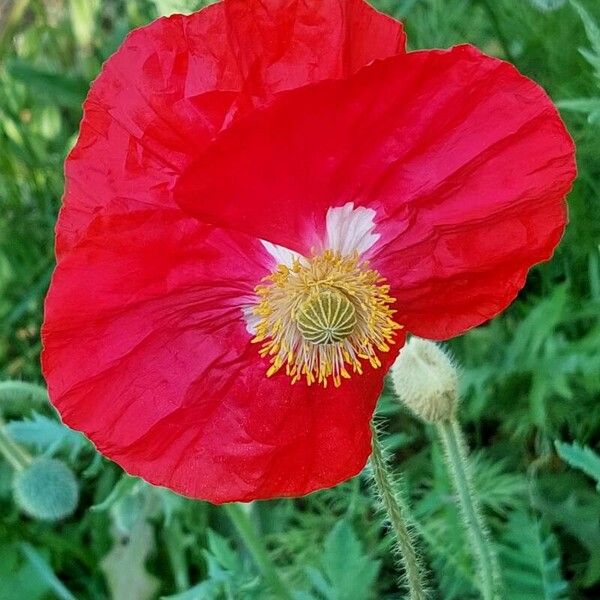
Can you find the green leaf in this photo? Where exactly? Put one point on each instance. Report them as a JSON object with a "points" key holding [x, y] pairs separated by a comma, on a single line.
{"points": [[591, 28], [207, 590], [39, 563], [123, 487], [49, 87], [499, 490], [20, 396], [18, 577], [348, 573], [536, 329], [592, 58], [221, 550], [46, 435], [578, 514], [531, 561], [228, 574], [585, 105], [580, 457]]}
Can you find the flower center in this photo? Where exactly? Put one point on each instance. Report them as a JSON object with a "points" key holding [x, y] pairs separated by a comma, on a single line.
{"points": [[327, 317], [321, 316]]}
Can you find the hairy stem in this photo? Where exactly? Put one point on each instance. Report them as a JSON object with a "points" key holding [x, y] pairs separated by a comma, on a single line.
{"points": [[257, 550], [460, 471], [396, 512]]}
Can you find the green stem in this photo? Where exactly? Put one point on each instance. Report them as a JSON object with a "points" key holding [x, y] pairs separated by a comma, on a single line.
{"points": [[257, 550], [460, 471], [396, 512], [176, 547], [12, 452]]}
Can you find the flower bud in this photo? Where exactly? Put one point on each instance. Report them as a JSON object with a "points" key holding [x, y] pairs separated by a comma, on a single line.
{"points": [[426, 380], [46, 490]]}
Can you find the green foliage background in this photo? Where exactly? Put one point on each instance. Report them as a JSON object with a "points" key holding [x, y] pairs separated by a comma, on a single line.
{"points": [[531, 378]]}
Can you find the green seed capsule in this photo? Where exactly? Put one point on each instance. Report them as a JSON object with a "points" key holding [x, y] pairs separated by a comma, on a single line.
{"points": [[46, 490], [326, 318]]}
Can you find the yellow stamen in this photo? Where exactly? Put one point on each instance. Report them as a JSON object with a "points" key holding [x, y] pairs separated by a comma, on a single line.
{"points": [[322, 316]]}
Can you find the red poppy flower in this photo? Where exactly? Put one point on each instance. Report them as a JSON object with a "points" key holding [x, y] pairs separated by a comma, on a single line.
{"points": [[265, 197]]}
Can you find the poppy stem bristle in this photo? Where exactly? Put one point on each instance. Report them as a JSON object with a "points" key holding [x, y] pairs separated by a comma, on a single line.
{"points": [[460, 470], [257, 550], [397, 514]]}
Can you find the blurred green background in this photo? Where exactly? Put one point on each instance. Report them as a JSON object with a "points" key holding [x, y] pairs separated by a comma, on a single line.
{"points": [[530, 379]]}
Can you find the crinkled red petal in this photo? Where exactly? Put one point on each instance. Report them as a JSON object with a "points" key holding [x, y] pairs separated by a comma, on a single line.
{"points": [[145, 345], [175, 83], [286, 44], [466, 162], [146, 351]]}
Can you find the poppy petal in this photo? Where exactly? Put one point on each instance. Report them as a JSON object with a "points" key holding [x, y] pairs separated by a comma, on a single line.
{"points": [[285, 44], [465, 161], [146, 350], [159, 98], [174, 84]]}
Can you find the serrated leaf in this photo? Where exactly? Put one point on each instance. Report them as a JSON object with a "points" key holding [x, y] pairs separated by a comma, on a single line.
{"points": [[580, 517], [227, 574], [126, 485], [580, 457], [530, 559], [499, 490], [591, 28], [46, 435], [347, 573], [221, 550], [536, 329], [318, 581]]}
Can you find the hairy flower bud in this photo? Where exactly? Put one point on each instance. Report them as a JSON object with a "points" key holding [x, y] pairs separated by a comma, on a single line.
{"points": [[46, 490], [426, 380]]}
